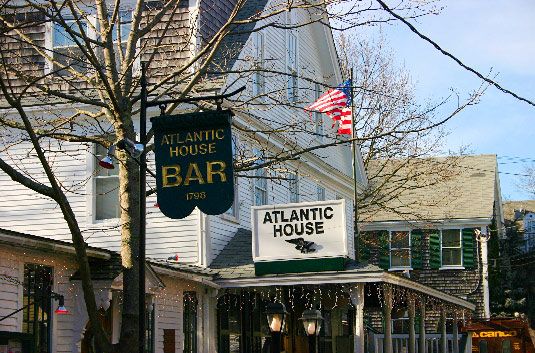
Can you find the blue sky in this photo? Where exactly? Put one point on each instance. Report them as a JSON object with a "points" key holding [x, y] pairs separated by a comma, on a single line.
{"points": [[489, 36]]}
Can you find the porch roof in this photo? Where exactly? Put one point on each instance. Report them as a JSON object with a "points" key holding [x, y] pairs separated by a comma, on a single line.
{"points": [[235, 268]]}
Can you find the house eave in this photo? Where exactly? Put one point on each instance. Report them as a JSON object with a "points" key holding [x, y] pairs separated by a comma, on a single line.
{"points": [[32, 242], [437, 223]]}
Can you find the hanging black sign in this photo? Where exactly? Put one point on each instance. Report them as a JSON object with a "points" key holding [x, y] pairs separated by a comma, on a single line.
{"points": [[194, 163]]}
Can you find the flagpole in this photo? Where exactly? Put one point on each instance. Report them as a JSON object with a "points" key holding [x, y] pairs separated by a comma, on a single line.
{"points": [[353, 152]]}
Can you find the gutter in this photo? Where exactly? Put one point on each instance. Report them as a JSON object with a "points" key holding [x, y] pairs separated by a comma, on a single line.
{"points": [[48, 245]]}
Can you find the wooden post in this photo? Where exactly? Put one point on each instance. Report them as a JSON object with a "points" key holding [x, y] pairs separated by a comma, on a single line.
{"points": [[412, 333], [357, 298], [443, 338], [421, 339], [387, 315]]}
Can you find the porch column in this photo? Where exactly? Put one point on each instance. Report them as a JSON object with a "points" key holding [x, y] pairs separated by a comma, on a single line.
{"points": [[209, 334], [455, 334], [421, 339], [387, 315], [443, 338], [357, 298], [412, 333]]}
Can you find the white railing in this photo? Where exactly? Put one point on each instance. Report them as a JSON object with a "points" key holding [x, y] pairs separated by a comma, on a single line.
{"points": [[400, 343]]}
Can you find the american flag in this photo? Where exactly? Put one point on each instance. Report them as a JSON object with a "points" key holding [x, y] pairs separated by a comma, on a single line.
{"points": [[338, 97], [344, 116]]}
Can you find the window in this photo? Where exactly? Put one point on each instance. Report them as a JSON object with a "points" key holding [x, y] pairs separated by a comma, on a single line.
{"points": [[318, 121], [483, 346], [260, 182], [293, 188], [234, 209], [37, 317], [400, 250], [124, 25], [291, 63], [320, 191], [106, 188], [65, 50], [258, 77], [506, 346], [451, 247], [242, 324], [190, 322]]}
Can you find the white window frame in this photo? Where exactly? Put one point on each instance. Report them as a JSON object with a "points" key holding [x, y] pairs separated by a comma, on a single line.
{"points": [[320, 193], [390, 233], [293, 188], [259, 80], [260, 185], [233, 213], [318, 118], [91, 25], [292, 65], [96, 177], [50, 34], [442, 247]]}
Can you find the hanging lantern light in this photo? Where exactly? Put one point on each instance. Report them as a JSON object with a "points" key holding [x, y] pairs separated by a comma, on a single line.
{"points": [[107, 162]]}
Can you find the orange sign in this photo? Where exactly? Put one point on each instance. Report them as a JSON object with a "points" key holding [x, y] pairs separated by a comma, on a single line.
{"points": [[484, 334]]}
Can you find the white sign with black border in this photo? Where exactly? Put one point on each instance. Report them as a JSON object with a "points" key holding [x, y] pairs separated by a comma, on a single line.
{"points": [[306, 230]]}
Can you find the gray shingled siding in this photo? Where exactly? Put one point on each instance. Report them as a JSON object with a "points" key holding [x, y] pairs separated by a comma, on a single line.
{"points": [[173, 53], [174, 50], [213, 15], [23, 56]]}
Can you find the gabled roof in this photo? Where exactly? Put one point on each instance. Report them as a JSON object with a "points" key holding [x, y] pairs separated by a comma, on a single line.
{"points": [[469, 192]]}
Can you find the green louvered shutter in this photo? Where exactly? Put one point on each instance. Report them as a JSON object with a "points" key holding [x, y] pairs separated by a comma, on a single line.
{"points": [[416, 248], [434, 249], [364, 245], [384, 249], [468, 247]]}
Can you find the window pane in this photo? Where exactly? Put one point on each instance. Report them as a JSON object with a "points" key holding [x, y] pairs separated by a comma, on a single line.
{"points": [[506, 346], [320, 193], [107, 198], [294, 188], [400, 240], [483, 346], [451, 257], [451, 238], [125, 26], [401, 258], [36, 317], [62, 38]]}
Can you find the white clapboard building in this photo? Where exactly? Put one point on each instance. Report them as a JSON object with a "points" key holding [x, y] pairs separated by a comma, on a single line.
{"points": [[286, 240]]}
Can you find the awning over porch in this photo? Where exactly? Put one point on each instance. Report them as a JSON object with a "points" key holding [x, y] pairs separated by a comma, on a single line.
{"points": [[235, 269]]}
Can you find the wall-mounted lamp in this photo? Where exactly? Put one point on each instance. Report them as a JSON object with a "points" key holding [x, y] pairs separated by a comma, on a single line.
{"points": [[61, 305], [132, 148]]}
